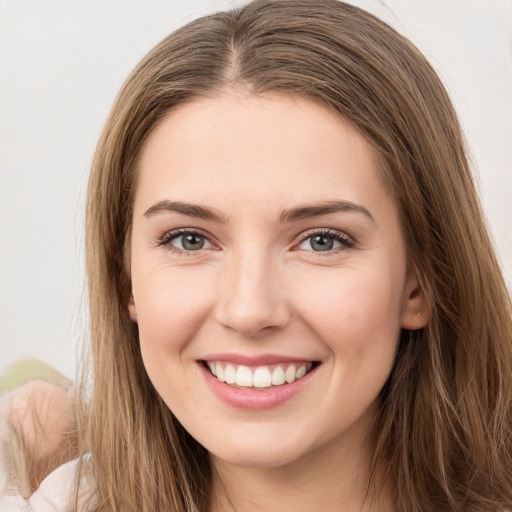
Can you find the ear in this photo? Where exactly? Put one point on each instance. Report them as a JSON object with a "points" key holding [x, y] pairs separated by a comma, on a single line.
{"points": [[132, 309], [415, 308]]}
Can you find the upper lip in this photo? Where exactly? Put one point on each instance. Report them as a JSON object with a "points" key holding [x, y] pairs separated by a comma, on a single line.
{"points": [[255, 360]]}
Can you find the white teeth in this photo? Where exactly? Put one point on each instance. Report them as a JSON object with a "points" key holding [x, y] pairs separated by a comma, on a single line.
{"points": [[262, 377], [220, 372], [230, 374], [290, 374], [278, 376], [244, 377], [301, 372]]}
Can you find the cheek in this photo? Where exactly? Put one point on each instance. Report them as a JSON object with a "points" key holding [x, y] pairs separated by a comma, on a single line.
{"points": [[353, 311], [171, 306]]}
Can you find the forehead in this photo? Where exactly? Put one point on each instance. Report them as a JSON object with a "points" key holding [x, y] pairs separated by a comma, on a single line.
{"points": [[273, 149]]}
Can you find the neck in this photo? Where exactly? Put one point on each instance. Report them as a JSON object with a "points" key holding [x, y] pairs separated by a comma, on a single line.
{"points": [[333, 478]]}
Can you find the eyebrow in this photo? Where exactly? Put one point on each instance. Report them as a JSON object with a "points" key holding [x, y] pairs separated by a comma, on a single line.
{"points": [[287, 216], [323, 208], [191, 210]]}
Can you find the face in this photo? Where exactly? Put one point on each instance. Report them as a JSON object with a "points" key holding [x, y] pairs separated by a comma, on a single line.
{"points": [[269, 276]]}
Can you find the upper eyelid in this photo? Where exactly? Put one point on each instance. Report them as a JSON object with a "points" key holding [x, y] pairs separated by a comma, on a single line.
{"points": [[325, 231]]}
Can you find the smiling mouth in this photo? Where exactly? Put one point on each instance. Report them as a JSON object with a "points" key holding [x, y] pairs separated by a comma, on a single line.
{"points": [[259, 377]]}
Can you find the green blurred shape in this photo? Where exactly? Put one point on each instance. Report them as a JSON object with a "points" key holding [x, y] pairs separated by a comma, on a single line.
{"points": [[27, 369]]}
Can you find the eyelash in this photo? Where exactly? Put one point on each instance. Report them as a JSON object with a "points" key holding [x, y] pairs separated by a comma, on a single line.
{"points": [[345, 241], [167, 238]]}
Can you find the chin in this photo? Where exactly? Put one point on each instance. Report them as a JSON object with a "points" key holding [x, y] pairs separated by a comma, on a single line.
{"points": [[258, 457], [271, 450]]}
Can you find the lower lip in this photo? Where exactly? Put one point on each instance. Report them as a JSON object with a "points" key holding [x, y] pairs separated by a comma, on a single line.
{"points": [[254, 399]]}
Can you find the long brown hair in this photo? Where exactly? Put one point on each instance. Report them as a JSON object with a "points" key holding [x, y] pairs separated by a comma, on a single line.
{"points": [[443, 435]]}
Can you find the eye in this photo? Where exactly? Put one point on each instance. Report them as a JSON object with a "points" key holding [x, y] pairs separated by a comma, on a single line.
{"points": [[325, 241], [185, 241]]}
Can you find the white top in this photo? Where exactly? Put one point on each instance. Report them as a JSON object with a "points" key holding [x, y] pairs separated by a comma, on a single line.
{"points": [[55, 494]]}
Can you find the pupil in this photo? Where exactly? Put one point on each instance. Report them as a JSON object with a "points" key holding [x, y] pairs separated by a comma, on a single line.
{"points": [[193, 242], [321, 243]]}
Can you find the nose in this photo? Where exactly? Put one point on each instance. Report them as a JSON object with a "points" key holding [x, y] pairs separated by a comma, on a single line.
{"points": [[251, 296]]}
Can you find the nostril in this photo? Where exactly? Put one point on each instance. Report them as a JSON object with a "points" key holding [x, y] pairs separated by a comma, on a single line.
{"points": [[251, 297], [255, 320]]}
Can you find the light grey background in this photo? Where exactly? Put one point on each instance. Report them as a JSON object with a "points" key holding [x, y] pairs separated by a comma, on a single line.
{"points": [[61, 64]]}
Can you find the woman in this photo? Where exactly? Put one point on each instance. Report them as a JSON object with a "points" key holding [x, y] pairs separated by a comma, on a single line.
{"points": [[294, 300]]}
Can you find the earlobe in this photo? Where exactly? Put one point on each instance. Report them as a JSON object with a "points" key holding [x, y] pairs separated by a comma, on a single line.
{"points": [[132, 309], [415, 308]]}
